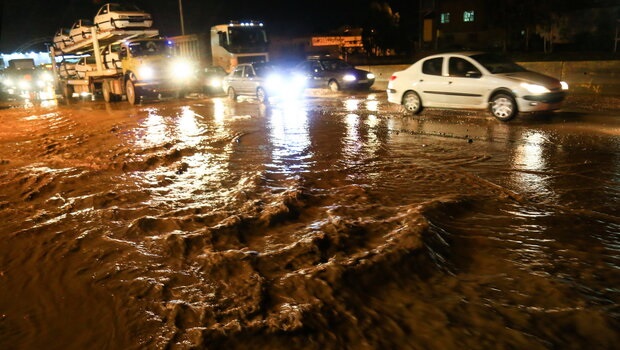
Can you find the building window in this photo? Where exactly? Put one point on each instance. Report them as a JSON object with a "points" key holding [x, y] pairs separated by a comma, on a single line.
{"points": [[445, 17], [468, 16]]}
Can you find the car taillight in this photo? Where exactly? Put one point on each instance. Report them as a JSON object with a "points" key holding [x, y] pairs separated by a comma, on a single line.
{"points": [[393, 77]]}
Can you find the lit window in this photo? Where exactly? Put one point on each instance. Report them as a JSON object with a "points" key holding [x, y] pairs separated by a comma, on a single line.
{"points": [[468, 16], [445, 17]]}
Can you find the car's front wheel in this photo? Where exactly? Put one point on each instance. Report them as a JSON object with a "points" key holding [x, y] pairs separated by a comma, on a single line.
{"points": [[503, 107], [261, 94], [333, 86], [412, 102]]}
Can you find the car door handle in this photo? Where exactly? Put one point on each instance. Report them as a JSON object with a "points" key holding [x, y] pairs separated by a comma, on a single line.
{"points": [[449, 83]]}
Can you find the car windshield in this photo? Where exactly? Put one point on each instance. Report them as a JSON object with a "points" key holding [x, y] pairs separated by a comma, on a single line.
{"points": [[124, 8], [264, 69], [335, 64], [497, 64]]}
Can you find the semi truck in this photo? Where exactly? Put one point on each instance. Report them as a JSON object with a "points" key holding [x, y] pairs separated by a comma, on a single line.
{"points": [[145, 65], [226, 45]]}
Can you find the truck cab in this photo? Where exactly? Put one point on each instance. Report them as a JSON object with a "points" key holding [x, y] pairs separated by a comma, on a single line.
{"points": [[239, 42], [149, 67]]}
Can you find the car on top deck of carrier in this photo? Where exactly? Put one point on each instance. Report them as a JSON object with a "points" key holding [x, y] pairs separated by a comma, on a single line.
{"points": [[122, 16], [475, 80]]}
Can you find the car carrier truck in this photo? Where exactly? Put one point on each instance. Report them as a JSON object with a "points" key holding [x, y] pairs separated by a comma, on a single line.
{"points": [[146, 66]]}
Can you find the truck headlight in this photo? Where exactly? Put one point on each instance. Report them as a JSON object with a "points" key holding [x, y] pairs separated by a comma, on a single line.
{"points": [[181, 69], [349, 77], [534, 88], [146, 72]]}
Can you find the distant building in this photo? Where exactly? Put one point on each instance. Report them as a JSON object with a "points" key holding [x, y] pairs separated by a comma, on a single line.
{"points": [[487, 24]]}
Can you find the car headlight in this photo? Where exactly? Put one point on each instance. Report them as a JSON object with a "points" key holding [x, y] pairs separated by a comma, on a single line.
{"points": [[370, 76], [349, 77], [146, 72], [534, 88], [181, 69], [274, 81], [215, 82], [23, 84], [564, 85]]}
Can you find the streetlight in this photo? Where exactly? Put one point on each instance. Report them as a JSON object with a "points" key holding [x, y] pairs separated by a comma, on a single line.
{"points": [[181, 14]]}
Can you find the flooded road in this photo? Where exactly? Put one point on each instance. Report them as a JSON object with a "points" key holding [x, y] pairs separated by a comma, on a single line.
{"points": [[336, 222]]}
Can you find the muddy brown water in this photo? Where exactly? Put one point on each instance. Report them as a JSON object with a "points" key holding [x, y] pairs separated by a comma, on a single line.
{"points": [[332, 223]]}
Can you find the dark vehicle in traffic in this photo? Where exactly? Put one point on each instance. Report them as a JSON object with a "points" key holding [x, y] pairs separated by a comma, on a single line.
{"points": [[212, 79], [334, 74]]}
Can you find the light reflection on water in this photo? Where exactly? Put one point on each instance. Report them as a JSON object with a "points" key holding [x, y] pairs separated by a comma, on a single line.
{"points": [[530, 165], [290, 138]]}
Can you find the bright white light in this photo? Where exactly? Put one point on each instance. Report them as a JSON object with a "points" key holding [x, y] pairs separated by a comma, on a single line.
{"points": [[370, 76], [215, 82], [564, 85], [24, 85], [349, 77], [181, 69], [146, 72], [534, 88]]}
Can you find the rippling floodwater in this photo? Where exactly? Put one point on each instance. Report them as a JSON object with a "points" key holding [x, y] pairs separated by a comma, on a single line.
{"points": [[333, 223]]}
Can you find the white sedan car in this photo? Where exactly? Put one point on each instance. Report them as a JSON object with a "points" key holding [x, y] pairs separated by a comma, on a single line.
{"points": [[475, 80], [86, 64], [81, 30], [121, 16], [62, 39]]}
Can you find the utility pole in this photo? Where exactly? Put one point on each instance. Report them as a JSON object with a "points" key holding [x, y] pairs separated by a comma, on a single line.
{"points": [[181, 14]]}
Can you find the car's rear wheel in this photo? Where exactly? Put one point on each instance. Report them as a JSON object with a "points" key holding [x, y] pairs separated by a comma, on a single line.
{"points": [[503, 107], [412, 102], [333, 86], [232, 95], [261, 94]]}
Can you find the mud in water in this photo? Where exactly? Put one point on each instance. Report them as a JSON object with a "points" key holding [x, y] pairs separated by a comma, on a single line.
{"points": [[333, 223]]}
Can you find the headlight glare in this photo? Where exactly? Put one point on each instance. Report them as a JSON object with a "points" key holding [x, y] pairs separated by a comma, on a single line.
{"points": [[534, 88], [146, 72], [370, 76], [564, 85], [349, 77], [181, 69]]}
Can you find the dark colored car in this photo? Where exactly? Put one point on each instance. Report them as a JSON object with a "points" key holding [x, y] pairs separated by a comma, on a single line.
{"points": [[334, 73], [212, 80]]}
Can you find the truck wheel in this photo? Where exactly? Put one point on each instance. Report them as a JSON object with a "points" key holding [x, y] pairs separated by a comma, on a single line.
{"points": [[133, 93], [108, 96], [67, 92], [232, 95]]}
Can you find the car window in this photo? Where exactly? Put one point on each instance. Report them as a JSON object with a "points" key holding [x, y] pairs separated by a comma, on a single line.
{"points": [[238, 72], [335, 64], [459, 67], [249, 72], [432, 66], [497, 64]]}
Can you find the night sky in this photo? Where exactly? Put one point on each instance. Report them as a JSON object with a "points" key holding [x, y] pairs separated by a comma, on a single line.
{"points": [[26, 20]]}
